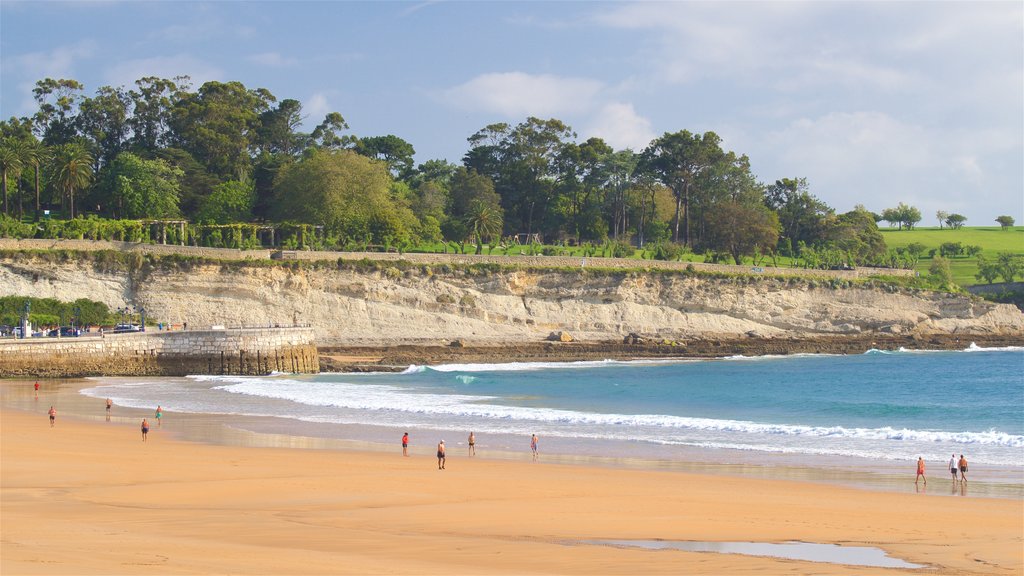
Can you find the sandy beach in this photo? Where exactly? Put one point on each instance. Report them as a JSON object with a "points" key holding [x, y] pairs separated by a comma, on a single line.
{"points": [[89, 497]]}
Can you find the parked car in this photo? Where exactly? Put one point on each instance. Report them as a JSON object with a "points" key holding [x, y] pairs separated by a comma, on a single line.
{"points": [[121, 328], [65, 332]]}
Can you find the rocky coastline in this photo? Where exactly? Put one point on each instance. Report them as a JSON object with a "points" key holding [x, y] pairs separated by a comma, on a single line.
{"points": [[398, 357]]}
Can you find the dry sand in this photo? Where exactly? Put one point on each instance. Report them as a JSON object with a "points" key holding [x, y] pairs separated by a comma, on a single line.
{"points": [[89, 497]]}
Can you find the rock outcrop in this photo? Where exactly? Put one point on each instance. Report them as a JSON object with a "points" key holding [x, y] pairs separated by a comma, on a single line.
{"points": [[364, 305]]}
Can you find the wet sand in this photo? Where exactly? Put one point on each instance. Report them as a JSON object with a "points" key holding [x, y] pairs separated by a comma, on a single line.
{"points": [[89, 497]]}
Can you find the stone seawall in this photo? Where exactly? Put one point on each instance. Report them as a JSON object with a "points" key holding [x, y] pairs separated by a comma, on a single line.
{"points": [[179, 353]]}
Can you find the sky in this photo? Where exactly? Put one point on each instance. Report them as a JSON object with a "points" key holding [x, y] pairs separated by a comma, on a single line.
{"points": [[874, 103]]}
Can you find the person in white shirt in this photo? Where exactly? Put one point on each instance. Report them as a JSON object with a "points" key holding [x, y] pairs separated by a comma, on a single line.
{"points": [[953, 466]]}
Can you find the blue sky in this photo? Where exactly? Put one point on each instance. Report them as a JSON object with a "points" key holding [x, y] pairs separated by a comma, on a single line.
{"points": [[873, 102]]}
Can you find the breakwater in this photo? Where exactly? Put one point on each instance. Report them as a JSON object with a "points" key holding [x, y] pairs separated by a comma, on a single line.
{"points": [[176, 353]]}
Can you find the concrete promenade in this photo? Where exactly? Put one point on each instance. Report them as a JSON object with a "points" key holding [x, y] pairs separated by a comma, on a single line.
{"points": [[168, 353]]}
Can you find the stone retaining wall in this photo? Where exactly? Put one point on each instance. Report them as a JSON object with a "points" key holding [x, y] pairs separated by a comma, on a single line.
{"points": [[178, 353], [438, 259]]}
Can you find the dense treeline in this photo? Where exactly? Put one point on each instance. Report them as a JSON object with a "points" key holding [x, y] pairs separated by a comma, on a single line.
{"points": [[226, 154]]}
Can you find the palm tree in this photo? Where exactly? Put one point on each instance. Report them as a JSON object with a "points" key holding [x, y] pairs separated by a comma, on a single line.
{"points": [[72, 170], [35, 155], [10, 161], [485, 220]]}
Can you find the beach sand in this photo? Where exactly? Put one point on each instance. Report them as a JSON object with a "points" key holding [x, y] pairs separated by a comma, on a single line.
{"points": [[89, 497]]}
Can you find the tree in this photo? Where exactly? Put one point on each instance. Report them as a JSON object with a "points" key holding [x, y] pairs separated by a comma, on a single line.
{"points": [[520, 160], [941, 215], [325, 135], [988, 270], [951, 249], [905, 216], [584, 172], [229, 202], [801, 214], [956, 221], [104, 120], [35, 155], [138, 188], [622, 193], [485, 220], [1005, 221], [11, 154], [677, 160], [341, 190], [1010, 265], [218, 124], [72, 169], [390, 149], [152, 103], [278, 130], [940, 272], [742, 229], [856, 235], [58, 107]]}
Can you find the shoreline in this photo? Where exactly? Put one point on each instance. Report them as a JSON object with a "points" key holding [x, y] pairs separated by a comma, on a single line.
{"points": [[399, 355], [248, 430], [178, 506]]}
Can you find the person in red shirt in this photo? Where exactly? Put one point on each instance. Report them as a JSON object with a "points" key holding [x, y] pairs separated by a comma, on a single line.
{"points": [[920, 471], [405, 444]]}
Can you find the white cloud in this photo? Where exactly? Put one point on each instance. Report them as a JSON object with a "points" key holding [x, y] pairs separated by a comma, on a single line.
{"points": [[24, 70], [272, 59], [621, 127], [877, 160], [126, 72], [516, 94], [315, 108]]}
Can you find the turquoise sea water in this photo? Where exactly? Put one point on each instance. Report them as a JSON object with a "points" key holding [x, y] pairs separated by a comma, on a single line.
{"points": [[879, 406]]}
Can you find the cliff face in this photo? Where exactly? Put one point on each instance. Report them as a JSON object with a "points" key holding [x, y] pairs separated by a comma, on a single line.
{"points": [[350, 307]]}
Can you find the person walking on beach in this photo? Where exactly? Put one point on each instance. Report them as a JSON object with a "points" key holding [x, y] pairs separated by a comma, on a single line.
{"points": [[109, 404], [37, 387], [534, 447], [159, 414], [962, 464], [953, 466], [53, 415], [472, 444], [440, 455], [145, 429], [405, 444], [920, 471]]}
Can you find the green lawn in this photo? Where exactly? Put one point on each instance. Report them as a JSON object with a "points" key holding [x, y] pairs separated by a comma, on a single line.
{"points": [[992, 241]]}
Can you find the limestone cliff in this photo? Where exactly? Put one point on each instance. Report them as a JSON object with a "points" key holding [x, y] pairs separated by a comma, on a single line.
{"points": [[353, 305]]}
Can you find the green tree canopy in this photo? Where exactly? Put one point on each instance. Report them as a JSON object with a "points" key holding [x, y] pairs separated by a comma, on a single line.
{"points": [[229, 202], [742, 229], [341, 190], [1005, 221], [678, 160], [135, 188], [956, 221]]}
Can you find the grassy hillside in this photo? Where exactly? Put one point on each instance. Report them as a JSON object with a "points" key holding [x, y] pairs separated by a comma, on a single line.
{"points": [[992, 241]]}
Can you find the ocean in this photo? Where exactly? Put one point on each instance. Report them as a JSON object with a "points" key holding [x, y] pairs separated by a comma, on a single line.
{"points": [[876, 412]]}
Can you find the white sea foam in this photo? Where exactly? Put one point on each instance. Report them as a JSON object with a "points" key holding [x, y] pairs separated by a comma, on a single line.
{"points": [[376, 397], [975, 348]]}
